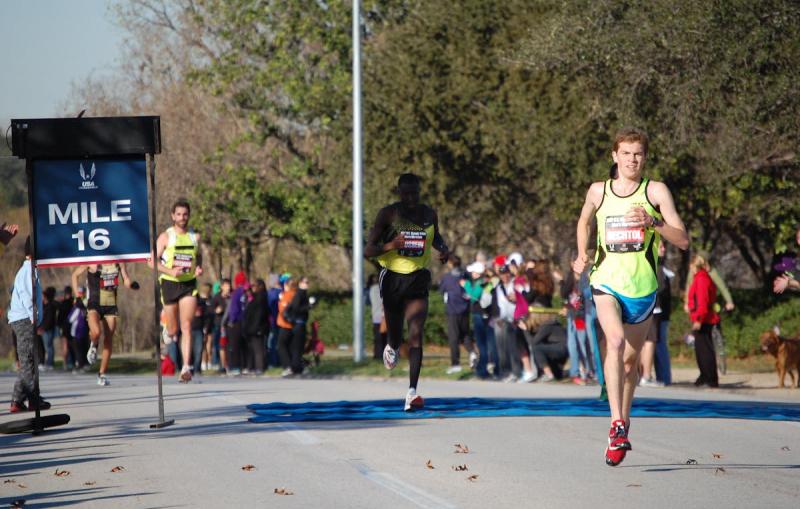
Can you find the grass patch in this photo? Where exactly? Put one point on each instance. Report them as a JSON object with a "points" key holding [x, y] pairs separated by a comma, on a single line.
{"points": [[432, 367]]}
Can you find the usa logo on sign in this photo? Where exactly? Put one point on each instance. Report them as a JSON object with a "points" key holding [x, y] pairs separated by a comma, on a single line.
{"points": [[87, 181]]}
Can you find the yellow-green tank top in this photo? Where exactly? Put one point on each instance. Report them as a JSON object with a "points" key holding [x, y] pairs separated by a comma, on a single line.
{"points": [[627, 255], [181, 251], [415, 254]]}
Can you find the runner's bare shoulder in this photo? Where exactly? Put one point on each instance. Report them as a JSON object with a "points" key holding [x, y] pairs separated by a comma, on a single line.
{"points": [[657, 190], [595, 192]]}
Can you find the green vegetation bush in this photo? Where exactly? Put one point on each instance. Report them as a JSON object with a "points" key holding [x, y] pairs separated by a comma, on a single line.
{"points": [[756, 311], [334, 311]]}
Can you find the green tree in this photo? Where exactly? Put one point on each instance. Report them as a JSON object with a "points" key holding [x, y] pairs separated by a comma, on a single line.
{"points": [[713, 82], [444, 99]]}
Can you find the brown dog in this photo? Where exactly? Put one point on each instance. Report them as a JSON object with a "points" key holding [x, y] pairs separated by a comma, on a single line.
{"points": [[786, 352]]}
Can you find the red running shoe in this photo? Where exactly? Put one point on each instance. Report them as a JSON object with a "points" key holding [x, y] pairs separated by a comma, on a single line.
{"points": [[17, 407], [618, 444]]}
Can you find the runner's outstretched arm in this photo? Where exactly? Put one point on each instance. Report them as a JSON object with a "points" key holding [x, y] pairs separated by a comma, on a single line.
{"points": [[126, 279], [198, 268], [76, 274], [593, 197], [673, 230], [438, 241]]}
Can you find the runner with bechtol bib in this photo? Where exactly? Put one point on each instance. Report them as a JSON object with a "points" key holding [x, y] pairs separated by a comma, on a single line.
{"points": [[180, 263], [102, 282], [633, 213], [401, 239]]}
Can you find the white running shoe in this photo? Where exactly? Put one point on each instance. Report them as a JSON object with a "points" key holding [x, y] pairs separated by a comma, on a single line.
{"points": [[102, 379], [453, 369], [389, 357], [527, 377], [473, 360], [165, 337], [413, 401], [91, 355], [649, 382], [186, 374]]}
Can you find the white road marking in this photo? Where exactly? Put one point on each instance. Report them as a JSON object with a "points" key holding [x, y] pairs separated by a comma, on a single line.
{"points": [[301, 435], [411, 493], [230, 399]]}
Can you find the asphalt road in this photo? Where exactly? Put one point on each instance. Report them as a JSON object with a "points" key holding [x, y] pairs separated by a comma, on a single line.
{"points": [[549, 462]]}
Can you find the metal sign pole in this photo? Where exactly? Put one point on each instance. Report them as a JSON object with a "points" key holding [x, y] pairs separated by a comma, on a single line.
{"points": [[37, 423], [151, 164], [358, 231]]}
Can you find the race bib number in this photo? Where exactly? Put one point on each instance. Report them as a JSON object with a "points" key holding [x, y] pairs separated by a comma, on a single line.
{"points": [[622, 236], [414, 244], [109, 280], [183, 261]]}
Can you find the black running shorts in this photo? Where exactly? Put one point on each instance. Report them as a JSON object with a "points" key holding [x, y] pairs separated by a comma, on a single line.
{"points": [[173, 291], [104, 310], [398, 288]]}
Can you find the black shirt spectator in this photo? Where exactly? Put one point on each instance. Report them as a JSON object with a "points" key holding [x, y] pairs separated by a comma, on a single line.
{"points": [[256, 315], [49, 315], [64, 308]]}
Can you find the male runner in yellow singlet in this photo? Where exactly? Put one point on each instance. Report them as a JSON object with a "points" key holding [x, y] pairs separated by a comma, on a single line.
{"points": [[179, 262], [633, 213], [401, 239]]}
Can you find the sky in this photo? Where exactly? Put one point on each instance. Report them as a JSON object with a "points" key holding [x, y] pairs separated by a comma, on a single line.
{"points": [[45, 46]]}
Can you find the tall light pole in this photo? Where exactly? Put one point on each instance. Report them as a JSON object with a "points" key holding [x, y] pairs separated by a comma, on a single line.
{"points": [[358, 230]]}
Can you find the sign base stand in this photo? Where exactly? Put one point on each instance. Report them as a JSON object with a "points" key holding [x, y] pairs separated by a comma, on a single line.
{"points": [[30, 424], [162, 424]]}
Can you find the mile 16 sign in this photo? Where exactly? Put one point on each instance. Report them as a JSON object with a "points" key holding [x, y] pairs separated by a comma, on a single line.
{"points": [[90, 211]]}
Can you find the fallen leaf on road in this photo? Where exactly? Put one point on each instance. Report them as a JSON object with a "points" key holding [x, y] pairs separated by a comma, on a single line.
{"points": [[282, 491], [461, 449], [691, 461], [719, 470], [89, 483], [7, 481], [61, 473], [472, 478], [460, 468], [20, 485], [633, 486], [429, 465], [785, 448], [248, 468], [117, 469], [716, 455], [17, 504]]}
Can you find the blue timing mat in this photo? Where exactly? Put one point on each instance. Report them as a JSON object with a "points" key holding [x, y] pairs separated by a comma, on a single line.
{"points": [[439, 408]]}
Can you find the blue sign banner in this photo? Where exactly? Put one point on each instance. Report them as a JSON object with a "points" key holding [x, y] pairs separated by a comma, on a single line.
{"points": [[90, 211]]}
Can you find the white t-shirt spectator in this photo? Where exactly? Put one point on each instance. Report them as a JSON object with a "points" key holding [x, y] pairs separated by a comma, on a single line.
{"points": [[376, 303]]}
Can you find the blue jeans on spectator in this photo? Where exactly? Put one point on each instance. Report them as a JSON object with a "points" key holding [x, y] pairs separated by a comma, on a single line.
{"points": [[175, 354], [577, 348], [591, 331], [506, 340], [197, 348], [487, 345], [48, 337], [215, 335], [272, 348], [662, 362]]}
